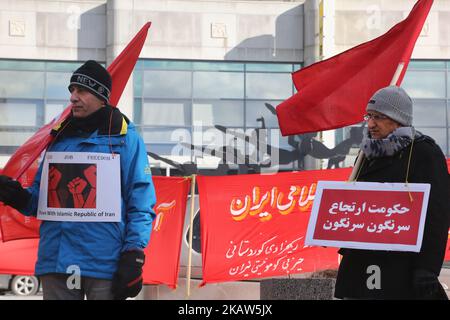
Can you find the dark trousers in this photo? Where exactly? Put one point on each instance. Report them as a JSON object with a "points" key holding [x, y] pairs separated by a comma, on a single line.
{"points": [[58, 286]]}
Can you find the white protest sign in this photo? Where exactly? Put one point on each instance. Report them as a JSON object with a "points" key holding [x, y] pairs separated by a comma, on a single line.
{"points": [[368, 215], [80, 187]]}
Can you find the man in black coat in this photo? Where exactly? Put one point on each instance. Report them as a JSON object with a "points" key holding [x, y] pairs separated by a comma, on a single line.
{"points": [[393, 151]]}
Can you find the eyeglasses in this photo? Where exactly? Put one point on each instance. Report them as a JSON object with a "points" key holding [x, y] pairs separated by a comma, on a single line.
{"points": [[375, 117]]}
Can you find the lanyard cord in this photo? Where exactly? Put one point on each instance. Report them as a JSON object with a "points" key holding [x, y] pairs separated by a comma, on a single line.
{"points": [[407, 169], [109, 133], [360, 167]]}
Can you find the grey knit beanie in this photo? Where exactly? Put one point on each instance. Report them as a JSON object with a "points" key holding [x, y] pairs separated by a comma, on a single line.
{"points": [[394, 102]]}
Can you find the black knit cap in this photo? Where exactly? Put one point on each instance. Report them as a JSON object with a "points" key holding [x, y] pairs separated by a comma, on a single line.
{"points": [[94, 78]]}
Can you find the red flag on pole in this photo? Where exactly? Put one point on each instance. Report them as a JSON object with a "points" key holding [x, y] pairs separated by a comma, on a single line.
{"points": [[163, 252], [333, 93], [22, 165]]}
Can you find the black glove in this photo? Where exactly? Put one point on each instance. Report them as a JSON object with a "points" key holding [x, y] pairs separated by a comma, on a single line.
{"points": [[427, 286], [127, 281], [12, 193]]}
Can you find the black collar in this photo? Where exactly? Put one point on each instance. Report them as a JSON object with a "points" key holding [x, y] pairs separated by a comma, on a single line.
{"points": [[107, 120]]}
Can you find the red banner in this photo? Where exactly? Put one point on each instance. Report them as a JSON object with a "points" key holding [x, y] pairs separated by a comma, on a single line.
{"points": [[163, 252], [22, 165], [367, 215], [18, 257], [254, 226], [447, 252]]}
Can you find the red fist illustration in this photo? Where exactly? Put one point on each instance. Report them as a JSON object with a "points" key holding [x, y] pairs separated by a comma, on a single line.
{"points": [[76, 187]]}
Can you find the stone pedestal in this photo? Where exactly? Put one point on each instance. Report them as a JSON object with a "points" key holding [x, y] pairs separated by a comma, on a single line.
{"points": [[297, 289]]}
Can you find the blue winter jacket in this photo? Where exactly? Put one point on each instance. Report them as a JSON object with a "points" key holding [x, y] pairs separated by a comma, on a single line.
{"points": [[95, 247]]}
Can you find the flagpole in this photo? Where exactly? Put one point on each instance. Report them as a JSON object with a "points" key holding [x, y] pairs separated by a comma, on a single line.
{"points": [[397, 73], [191, 227]]}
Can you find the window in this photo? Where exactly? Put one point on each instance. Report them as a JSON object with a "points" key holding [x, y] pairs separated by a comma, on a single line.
{"points": [[166, 84], [216, 85], [56, 85], [429, 112], [448, 83], [197, 101], [21, 84], [165, 113], [32, 93], [260, 113], [268, 85], [228, 113], [425, 84], [18, 113]]}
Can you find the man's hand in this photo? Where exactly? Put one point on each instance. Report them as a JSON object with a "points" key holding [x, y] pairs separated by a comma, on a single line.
{"points": [[127, 281], [12, 193]]}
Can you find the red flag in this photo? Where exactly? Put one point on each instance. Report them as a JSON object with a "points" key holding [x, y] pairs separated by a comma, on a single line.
{"points": [[162, 261], [255, 225], [12, 224], [333, 93], [447, 251], [18, 257]]}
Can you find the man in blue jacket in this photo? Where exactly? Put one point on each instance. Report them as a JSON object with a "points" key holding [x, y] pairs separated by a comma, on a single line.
{"points": [[83, 253]]}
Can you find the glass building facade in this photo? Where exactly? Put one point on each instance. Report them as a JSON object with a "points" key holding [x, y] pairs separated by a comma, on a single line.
{"points": [[184, 100], [32, 93], [428, 83], [175, 101]]}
